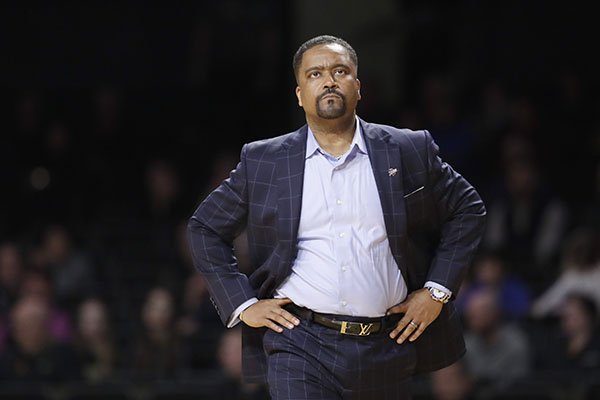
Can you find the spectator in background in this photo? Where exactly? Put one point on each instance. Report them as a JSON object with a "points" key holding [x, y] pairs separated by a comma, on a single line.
{"points": [[230, 361], [53, 195], [497, 352], [11, 271], [199, 326], [230, 354], [452, 383], [580, 273], [36, 284], [184, 256], [579, 325], [162, 189], [94, 342], [494, 113], [491, 117], [109, 153], [156, 354], [524, 117], [33, 354], [490, 271], [222, 166], [527, 221], [197, 306], [439, 96], [574, 346], [159, 218], [70, 269], [108, 112]]}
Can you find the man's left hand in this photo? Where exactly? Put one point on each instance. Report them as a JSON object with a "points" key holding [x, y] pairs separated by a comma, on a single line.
{"points": [[419, 311]]}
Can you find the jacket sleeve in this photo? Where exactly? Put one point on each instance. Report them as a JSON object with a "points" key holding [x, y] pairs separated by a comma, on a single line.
{"points": [[217, 221], [462, 215]]}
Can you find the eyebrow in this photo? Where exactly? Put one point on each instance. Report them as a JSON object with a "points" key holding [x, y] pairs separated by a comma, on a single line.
{"points": [[321, 67]]}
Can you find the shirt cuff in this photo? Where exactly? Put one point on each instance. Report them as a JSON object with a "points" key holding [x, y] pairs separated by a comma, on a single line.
{"points": [[234, 319], [438, 286]]}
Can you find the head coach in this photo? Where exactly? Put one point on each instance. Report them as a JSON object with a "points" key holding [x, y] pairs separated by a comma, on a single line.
{"points": [[359, 236]]}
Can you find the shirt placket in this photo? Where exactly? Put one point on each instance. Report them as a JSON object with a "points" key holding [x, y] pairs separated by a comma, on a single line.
{"points": [[342, 235]]}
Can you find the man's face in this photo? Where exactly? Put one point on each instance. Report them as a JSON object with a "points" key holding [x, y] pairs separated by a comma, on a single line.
{"points": [[327, 84]]}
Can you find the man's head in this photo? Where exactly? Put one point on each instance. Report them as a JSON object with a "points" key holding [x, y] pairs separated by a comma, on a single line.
{"points": [[326, 70], [319, 41]]}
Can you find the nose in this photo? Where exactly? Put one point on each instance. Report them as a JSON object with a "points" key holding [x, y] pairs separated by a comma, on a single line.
{"points": [[330, 82]]}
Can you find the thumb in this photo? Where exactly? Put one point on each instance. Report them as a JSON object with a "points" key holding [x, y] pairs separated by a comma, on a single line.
{"points": [[398, 309]]}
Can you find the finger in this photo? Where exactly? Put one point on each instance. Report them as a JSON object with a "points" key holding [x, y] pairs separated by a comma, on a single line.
{"points": [[290, 317], [417, 333], [273, 326], [277, 316], [397, 309], [393, 310], [283, 301], [406, 333], [400, 327]]}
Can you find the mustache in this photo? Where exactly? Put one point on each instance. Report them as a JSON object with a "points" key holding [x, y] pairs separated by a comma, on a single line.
{"points": [[331, 91]]}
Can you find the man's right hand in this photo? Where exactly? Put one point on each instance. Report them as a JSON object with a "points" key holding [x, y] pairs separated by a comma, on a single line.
{"points": [[269, 313]]}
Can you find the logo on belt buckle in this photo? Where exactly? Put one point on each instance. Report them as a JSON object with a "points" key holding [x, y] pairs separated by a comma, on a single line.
{"points": [[356, 328]]}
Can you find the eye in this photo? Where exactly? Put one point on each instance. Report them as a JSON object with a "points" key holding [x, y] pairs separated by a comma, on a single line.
{"points": [[315, 74], [340, 71]]}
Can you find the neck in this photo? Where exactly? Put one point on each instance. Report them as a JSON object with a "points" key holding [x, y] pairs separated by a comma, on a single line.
{"points": [[334, 136]]}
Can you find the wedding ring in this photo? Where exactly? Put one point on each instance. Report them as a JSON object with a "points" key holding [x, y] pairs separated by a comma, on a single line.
{"points": [[413, 324]]}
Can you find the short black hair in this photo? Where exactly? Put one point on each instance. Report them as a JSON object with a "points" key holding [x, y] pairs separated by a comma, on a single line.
{"points": [[322, 40]]}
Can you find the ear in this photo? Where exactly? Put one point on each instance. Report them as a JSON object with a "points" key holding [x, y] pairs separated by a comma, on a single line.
{"points": [[298, 96], [358, 84]]}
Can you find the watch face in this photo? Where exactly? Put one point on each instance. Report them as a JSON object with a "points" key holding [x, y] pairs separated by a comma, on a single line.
{"points": [[438, 294]]}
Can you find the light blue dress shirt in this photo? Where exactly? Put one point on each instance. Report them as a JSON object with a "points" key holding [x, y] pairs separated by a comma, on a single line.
{"points": [[344, 263]]}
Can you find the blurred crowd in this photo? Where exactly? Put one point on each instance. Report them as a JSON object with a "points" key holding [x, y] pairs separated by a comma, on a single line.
{"points": [[96, 280]]}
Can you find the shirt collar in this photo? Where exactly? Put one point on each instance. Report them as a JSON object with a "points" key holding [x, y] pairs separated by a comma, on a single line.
{"points": [[312, 145]]}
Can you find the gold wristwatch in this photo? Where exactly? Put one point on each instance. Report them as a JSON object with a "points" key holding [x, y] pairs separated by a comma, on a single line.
{"points": [[438, 295]]}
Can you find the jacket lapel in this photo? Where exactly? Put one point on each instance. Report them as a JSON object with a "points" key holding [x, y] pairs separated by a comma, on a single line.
{"points": [[290, 178], [384, 155]]}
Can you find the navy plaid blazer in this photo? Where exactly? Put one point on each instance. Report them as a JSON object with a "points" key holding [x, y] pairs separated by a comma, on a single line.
{"points": [[434, 220]]}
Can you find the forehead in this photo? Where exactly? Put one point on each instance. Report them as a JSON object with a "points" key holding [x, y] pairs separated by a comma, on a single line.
{"points": [[325, 54]]}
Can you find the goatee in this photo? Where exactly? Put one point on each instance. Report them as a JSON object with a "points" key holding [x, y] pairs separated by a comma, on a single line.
{"points": [[332, 109]]}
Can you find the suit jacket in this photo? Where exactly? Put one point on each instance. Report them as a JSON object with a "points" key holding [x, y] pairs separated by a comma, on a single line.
{"points": [[434, 220]]}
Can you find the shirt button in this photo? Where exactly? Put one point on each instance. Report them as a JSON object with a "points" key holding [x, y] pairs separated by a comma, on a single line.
{"points": [[344, 303], [338, 202], [342, 234], [344, 268]]}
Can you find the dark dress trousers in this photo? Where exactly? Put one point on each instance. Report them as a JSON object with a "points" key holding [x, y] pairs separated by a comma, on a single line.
{"points": [[434, 220]]}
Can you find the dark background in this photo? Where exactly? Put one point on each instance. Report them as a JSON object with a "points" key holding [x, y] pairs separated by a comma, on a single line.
{"points": [[117, 118]]}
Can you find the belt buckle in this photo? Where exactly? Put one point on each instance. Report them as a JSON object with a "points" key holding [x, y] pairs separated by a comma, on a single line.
{"points": [[356, 328]]}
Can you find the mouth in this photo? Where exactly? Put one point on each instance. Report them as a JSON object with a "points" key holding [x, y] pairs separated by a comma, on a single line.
{"points": [[331, 96]]}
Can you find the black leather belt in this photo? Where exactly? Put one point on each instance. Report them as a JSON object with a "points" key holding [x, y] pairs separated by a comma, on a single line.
{"points": [[346, 325]]}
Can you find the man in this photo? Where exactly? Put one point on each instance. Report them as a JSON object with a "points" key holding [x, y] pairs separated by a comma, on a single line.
{"points": [[358, 235]]}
